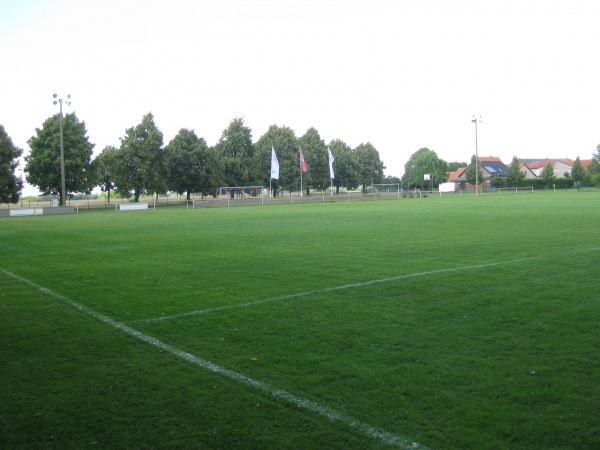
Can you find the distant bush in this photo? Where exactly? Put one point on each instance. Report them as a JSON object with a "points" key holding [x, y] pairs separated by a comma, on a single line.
{"points": [[539, 183]]}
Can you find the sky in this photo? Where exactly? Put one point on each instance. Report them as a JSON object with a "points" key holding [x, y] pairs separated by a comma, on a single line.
{"points": [[402, 75]]}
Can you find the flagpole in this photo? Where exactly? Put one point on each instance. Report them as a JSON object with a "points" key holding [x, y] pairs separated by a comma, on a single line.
{"points": [[274, 170], [301, 157], [330, 157]]}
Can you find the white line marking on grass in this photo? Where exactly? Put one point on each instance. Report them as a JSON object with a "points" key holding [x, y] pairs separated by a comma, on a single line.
{"points": [[346, 286], [333, 415]]}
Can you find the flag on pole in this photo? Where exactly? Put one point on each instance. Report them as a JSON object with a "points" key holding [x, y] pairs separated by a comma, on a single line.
{"points": [[274, 164], [330, 163], [302, 162]]}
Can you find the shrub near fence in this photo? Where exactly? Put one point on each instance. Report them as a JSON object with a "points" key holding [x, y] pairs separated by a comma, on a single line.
{"points": [[535, 183]]}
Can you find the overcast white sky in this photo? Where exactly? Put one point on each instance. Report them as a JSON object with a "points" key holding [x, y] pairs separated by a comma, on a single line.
{"points": [[400, 74]]}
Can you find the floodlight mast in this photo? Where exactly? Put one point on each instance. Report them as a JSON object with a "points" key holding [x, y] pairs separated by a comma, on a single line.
{"points": [[63, 192], [475, 120]]}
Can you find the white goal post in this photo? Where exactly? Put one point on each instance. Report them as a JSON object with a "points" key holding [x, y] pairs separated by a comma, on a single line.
{"points": [[516, 190], [233, 192], [390, 188]]}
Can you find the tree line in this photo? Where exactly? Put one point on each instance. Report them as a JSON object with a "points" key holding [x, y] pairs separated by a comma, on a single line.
{"points": [[143, 165]]}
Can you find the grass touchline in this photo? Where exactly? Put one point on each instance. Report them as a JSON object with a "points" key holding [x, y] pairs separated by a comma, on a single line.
{"points": [[383, 436], [346, 286], [453, 323]]}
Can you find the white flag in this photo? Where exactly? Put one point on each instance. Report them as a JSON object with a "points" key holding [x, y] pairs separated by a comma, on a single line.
{"points": [[330, 163], [274, 164]]}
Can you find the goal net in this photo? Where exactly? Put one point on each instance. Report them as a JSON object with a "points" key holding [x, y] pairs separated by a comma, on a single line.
{"points": [[393, 188], [233, 192]]}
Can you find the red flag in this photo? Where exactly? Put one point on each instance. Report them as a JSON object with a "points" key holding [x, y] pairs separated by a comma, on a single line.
{"points": [[302, 162]]}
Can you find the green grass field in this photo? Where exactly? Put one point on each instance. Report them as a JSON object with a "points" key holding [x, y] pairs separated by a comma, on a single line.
{"points": [[455, 322]]}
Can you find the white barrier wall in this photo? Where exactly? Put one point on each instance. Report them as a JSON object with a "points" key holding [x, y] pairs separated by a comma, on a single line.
{"points": [[132, 206], [27, 212], [447, 187]]}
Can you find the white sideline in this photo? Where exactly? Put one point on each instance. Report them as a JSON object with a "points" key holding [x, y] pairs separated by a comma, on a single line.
{"points": [[333, 415], [335, 288]]}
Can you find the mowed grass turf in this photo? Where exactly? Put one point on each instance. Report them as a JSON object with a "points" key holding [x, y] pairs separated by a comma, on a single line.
{"points": [[454, 322]]}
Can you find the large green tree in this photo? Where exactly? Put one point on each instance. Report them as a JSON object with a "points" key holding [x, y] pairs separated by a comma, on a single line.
{"points": [[514, 176], [345, 166], [594, 167], [455, 165], [189, 164], [141, 168], [105, 166], [424, 161], [10, 185], [284, 142], [315, 155], [370, 165], [237, 153], [43, 163], [548, 174], [212, 171], [578, 172]]}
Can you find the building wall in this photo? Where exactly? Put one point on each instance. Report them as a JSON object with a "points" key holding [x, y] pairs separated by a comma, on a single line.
{"points": [[560, 168], [528, 173]]}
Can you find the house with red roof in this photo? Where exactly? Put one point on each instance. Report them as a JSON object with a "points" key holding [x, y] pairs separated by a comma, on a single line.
{"points": [[457, 176], [490, 166], [524, 167], [561, 166]]}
